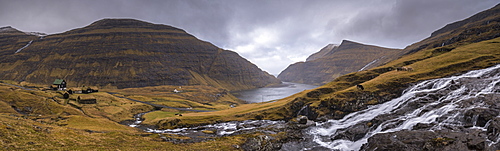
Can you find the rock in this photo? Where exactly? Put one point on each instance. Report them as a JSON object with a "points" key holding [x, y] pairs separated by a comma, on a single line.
{"points": [[480, 116], [353, 133], [493, 129], [261, 143], [302, 119], [427, 140]]}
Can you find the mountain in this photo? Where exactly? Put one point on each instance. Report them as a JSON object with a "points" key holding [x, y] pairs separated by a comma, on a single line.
{"points": [[479, 27], [448, 101], [333, 61], [125, 53], [324, 51]]}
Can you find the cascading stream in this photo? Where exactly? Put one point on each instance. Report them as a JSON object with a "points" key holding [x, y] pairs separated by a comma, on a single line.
{"points": [[431, 105], [441, 103]]}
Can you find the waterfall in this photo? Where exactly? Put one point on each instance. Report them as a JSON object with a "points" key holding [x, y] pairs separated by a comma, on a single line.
{"points": [[364, 67], [438, 102], [18, 50]]}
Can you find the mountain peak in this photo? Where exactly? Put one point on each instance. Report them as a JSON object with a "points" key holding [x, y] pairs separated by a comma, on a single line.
{"points": [[123, 23], [324, 51], [346, 44], [119, 22], [349, 43], [8, 29], [128, 23]]}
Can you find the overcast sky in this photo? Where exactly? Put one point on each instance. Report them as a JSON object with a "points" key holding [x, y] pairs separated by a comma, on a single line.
{"points": [[270, 33]]}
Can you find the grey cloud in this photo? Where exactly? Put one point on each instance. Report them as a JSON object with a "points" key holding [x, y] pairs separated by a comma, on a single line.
{"points": [[271, 34]]}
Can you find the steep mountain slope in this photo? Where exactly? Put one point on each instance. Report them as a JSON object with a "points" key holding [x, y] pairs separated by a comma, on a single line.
{"points": [[126, 53], [334, 61], [326, 103], [12, 40], [333, 101], [481, 26], [324, 51], [341, 97]]}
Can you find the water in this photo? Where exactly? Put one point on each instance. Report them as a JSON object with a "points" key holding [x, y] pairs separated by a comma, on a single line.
{"points": [[439, 102], [271, 93], [220, 129]]}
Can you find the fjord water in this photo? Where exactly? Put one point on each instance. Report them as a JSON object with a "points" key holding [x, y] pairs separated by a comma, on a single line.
{"points": [[441, 103], [272, 93]]}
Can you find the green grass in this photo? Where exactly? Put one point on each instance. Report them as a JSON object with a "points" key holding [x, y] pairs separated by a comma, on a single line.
{"points": [[378, 82], [51, 125]]}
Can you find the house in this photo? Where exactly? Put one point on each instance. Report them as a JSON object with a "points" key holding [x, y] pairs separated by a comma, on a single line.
{"points": [[59, 84], [86, 99], [83, 90], [89, 90]]}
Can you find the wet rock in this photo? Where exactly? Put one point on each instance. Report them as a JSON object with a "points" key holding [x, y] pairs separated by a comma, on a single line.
{"points": [[261, 143], [427, 140], [493, 130], [308, 112], [480, 116], [353, 133], [302, 119]]}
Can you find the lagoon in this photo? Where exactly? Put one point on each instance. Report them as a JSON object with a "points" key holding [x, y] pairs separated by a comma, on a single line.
{"points": [[271, 93]]}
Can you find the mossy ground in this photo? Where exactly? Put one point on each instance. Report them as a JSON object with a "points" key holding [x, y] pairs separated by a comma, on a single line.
{"points": [[21, 133], [50, 122], [43, 120]]}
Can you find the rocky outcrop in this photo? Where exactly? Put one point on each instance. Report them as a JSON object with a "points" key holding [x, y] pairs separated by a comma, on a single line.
{"points": [[126, 53], [428, 140], [334, 61]]}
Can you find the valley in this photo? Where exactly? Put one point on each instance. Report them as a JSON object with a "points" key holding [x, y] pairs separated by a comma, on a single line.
{"points": [[156, 87]]}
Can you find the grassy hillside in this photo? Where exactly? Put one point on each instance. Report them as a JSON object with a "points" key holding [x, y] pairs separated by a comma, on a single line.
{"points": [[29, 117], [340, 97], [19, 133], [124, 53], [39, 119]]}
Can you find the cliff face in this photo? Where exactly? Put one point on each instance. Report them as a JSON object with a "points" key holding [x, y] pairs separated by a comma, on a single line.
{"points": [[334, 61], [126, 53]]}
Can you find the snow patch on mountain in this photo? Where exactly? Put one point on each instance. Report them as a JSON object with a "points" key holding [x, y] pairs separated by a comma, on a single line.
{"points": [[39, 34]]}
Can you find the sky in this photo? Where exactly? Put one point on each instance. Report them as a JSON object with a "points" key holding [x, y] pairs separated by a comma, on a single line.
{"points": [[269, 33]]}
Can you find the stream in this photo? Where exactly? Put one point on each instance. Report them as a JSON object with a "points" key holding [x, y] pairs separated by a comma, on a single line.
{"points": [[453, 104], [458, 105]]}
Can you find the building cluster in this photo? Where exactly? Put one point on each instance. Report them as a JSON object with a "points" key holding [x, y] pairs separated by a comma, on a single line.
{"points": [[61, 85]]}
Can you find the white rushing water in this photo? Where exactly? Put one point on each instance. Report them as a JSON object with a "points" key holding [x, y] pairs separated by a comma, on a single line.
{"points": [[18, 50], [440, 101], [221, 129], [364, 67]]}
